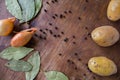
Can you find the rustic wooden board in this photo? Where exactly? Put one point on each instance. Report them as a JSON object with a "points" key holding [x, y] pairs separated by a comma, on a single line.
{"points": [[63, 38]]}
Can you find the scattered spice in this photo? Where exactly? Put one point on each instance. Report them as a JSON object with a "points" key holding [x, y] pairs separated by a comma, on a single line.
{"points": [[61, 16], [79, 18], [47, 2], [86, 28], [36, 35], [86, 1], [66, 40], [59, 35], [50, 24], [65, 12], [79, 59], [55, 36], [62, 32], [53, 17], [50, 31], [56, 28], [40, 37], [84, 74], [41, 30], [46, 29], [73, 36], [76, 54], [74, 42], [72, 62], [44, 32], [45, 10], [89, 34], [86, 64], [44, 38], [56, 15], [60, 54], [56, 0], [70, 11], [94, 77], [68, 60], [85, 38], [75, 68], [53, 1]]}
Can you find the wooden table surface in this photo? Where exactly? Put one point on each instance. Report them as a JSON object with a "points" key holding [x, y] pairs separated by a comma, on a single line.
{"points": [[63, 38]]}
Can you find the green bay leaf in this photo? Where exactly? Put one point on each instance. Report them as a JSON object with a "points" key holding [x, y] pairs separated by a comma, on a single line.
{"points": [[38, 5], [28, 9], [19, 65], [55, 75], [35, 61], [14, 8], [15, 53]]}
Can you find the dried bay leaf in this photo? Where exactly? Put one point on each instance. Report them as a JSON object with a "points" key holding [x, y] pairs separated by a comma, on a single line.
{"points": [[28, 9], [19, 65], [15, 53], [35, 61], [38, 5], [24, 10], [14, 8], [55, 75]]}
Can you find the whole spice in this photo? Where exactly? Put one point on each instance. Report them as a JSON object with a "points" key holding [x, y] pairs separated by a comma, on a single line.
{"points": [[6, 26], [15, 53], [19, 65], [23, 37], [55, 75], [34, 60]]}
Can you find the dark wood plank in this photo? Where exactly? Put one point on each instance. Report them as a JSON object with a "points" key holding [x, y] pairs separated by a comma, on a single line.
{"points": [[64, 38]]}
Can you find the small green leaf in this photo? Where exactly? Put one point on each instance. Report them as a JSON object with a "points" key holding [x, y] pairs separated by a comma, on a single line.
{"points": [[38, 5], [28, 9], [55, 75], [15, 53], [14, 8], [19, 65], [35, 61]]}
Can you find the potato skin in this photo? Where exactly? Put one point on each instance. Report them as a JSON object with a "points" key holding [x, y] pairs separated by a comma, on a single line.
{"points": [[113, 11], [105, 36], [102, 66]]}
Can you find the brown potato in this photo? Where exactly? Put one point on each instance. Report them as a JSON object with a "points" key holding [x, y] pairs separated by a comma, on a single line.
{"points": [[105, 36], [102, 66], [113, 11]]}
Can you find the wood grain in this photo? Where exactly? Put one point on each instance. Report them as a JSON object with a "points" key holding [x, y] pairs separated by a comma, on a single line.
{"points": [[63, 38]]}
